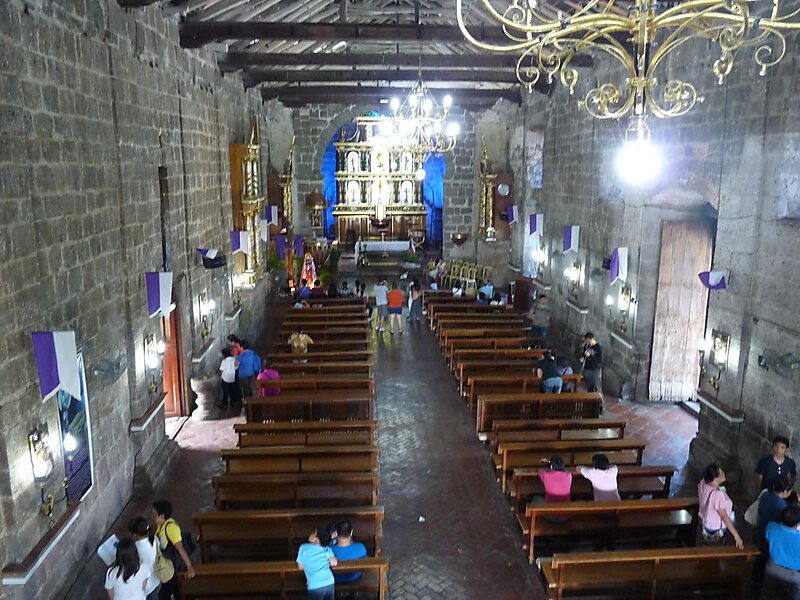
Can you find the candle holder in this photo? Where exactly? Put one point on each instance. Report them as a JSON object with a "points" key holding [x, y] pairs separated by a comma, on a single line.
{"points": [[459, 238]]}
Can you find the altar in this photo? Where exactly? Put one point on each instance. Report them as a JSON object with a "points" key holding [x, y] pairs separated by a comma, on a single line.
{"points": [[378, 246]]}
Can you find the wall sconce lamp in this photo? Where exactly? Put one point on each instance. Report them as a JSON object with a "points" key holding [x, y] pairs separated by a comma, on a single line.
{"points": [[540, 256], [153, 353], [42, 464], [720, 349], [573, 276], [624, 302], [206, 307]]}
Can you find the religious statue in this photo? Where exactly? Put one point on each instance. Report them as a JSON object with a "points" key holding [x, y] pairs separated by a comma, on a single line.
{"points": [[309, 272], [352, 162], [353, 192], [408, 163], [407, 193]]}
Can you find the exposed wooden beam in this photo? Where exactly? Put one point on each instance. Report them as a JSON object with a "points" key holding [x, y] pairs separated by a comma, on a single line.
{"points": [[233, 61], [349, 94], [253, 78], [198, 33]]}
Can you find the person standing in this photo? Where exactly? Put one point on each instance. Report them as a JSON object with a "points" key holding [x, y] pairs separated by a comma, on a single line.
{"points": [[777, 465], [249, 367], [395, 304], [234, 345], [230, 389], [716, 507], [592, 359], [315, 558], [127, 578], [381, 292], [415, 312], [170, 540], [540, 318], [547, 370], [347, 549], [145, 540]]}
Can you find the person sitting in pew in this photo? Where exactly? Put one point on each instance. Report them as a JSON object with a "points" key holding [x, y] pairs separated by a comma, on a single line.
{"points": [[317, 291], [547, 370], [481, 299], [346, 549], [771, 505], [565, 369], [299, 342], [497, 299], [716, 507], [315, 558], [557, 480], [268, 374], [487, 288], [603, 477], [458, 291], [783, 567]]}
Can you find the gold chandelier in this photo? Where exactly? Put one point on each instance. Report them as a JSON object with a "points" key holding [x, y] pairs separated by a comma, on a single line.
{"points": [[418, 121], [639, 35]]}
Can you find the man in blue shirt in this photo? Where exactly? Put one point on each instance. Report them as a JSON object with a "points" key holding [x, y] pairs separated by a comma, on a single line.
{"points": [[249, 367], [487, 289], [784, 552], [347, 549], [303, 292], [771, 505], [315, 559]]}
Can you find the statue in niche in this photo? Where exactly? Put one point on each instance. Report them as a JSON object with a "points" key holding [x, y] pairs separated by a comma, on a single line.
{"points": [[381, 162], [353, 195], [352, 162], [407, 162], [407, 193]]}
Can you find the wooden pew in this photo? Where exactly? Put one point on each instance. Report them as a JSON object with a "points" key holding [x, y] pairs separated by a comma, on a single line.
{"points": [[326, 346], [301, 459], [543, 430], [318, 382], [705, 572], [464, 305], [634, 482], [590, 520], [230, 536], [347, 367], [356, 355], [518, 351], [477, 382], [310, 327], [337, 334], [303, 405], [329, 302], [514, 455], [447, 335], [301, 317], [305, 433], [575, 405], [489, 343], [277, 580], [476, 320], [295, 490]]}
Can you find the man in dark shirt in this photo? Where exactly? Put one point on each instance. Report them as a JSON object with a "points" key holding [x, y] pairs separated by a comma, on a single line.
{"points": [[547, 369], [777, 465], [592, 363]]}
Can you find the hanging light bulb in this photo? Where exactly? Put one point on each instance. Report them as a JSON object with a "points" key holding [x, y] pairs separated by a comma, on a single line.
{"points": [[447, 101], [420, 174], [413, 100], [609, 300], [427, 105], [639, 160], [437, 127], [394, 104], [452, 129]]}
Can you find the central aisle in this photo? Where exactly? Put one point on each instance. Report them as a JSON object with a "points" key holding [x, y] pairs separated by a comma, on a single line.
{"points": [[432, 465]]}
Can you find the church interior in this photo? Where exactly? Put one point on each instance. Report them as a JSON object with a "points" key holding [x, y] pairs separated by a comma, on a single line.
{"points": [[498, 288]]}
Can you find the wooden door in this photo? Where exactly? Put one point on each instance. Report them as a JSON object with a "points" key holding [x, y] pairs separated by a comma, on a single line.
{"points": [[681, 307], [171, 372]]}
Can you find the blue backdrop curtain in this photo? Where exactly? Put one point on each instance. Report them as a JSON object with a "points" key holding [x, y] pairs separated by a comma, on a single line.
{"points": [[433, 195], [328, 171]]}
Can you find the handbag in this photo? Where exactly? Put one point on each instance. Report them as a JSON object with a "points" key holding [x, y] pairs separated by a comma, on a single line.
{"points": [[751, 514], [163, 567]]}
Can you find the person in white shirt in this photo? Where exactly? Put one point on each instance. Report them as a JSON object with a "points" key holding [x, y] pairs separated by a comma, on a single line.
{"points": [[145, 539], [127, 578], [381, 292], [230, 390], [603, 477]]}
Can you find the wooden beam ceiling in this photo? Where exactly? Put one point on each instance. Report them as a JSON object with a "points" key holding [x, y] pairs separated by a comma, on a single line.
{"points": [[253, 78], [464, 97], [195, 34]]}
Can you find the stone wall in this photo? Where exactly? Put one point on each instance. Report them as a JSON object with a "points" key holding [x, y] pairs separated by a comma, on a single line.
{"points": [[726, 163], [93, 100]]}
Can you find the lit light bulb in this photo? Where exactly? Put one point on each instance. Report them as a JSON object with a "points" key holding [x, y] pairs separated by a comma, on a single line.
{"points": [[413, 100], [447, 101], [638, 162], [539, 255], [437, 127], [568, 273], [394, 104], [420, 174], [428, 131], [161, 347], [609, 300], [151, 361], [623, 303], [70, 444], [452, 129], [211, 304], [427, 105]]}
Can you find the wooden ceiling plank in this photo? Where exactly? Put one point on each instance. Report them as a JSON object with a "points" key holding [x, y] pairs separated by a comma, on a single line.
{"points": [[253, 78]]}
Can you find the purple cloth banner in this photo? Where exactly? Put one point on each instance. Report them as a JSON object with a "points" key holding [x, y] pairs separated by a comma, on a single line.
{"points": [[714, 280], [280, 246], [159, 293], [208, 252], [512, 214], [537, 224], [619, 265], [571, 236], [271, 214], [240, 241], [297, 245], [57, 362]]}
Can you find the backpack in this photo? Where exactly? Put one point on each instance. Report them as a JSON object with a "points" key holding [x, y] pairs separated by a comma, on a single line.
{"points": [[171, 552]]}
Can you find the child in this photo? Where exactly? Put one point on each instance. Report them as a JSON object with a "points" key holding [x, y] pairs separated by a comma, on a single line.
{"points": [[347, 549], [315, 559], [230, 390], [603, 477], [268, 374], [565, 369]]}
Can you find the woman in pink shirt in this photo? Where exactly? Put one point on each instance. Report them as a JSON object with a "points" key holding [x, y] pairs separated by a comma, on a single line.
{"points": [[603, 477], [557, 481], [267, 374], [716, 507]]}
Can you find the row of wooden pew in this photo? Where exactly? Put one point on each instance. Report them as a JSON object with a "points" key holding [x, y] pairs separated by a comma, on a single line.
{"points": [[305, 458], [493, 360]]}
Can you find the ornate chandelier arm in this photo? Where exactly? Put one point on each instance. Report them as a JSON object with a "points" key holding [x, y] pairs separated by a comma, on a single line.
{"points": [[550, 25], [483, 45]]}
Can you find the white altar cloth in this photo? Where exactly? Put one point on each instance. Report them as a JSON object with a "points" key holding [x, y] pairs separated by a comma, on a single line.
{"points": [[378, 246]]}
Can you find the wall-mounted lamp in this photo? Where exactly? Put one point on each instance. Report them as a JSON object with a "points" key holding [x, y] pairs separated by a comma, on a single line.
{"points": [[720, 349], [573, 276], [540, 256], [41, 454], [153, 351], [206, 307], [623, 302]]}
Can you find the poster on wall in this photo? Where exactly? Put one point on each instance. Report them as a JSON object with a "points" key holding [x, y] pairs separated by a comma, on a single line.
{"points": [[534, 149], [76, 439]]}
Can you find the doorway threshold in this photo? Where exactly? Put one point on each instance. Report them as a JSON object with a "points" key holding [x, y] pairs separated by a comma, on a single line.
{"points": [[692, 407], [173, 426]]}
